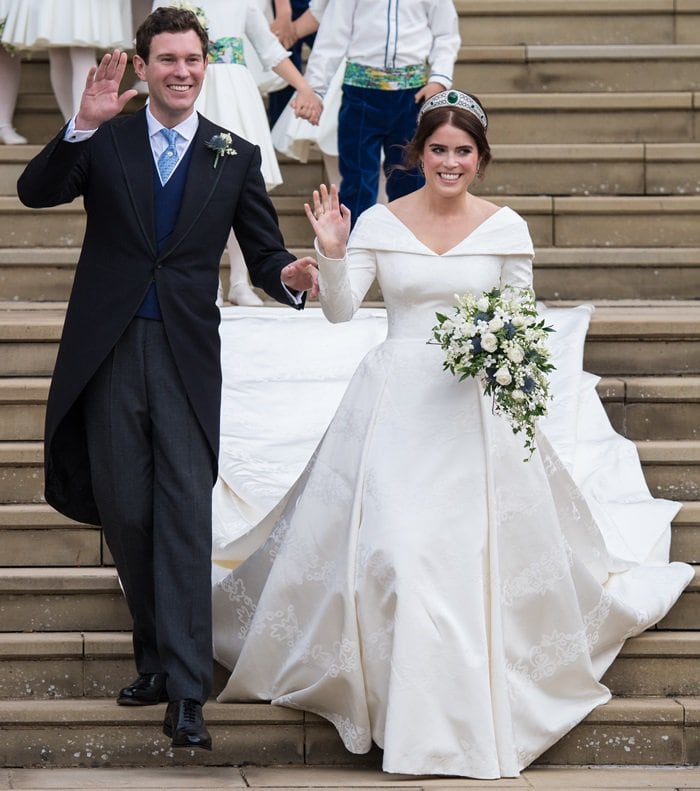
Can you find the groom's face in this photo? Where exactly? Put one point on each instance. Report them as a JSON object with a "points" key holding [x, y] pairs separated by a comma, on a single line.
{"points": [[174, 73]]}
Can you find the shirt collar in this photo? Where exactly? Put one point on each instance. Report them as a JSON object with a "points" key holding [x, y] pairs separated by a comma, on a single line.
{"points": [[187, 128]]}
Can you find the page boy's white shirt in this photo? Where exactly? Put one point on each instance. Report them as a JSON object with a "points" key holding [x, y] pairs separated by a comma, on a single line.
{"points": [[385, 34]]}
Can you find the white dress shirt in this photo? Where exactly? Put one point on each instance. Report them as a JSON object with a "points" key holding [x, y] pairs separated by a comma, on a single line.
{"points": [[186, 131], [385, 34]]}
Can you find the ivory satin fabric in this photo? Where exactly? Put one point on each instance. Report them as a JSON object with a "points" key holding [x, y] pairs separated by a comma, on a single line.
{"points": [[415, 581]]}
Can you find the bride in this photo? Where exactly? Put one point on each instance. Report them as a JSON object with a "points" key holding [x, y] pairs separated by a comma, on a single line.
{"points": [[420, 585]]}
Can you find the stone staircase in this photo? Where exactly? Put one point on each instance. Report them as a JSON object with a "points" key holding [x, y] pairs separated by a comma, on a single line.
{"points": [[593, 124]]}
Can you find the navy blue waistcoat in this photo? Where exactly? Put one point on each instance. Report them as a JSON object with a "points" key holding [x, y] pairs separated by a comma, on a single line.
{"points": [[166, 204]]}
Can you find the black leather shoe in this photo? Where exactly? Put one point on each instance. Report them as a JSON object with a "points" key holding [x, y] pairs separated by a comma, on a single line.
{"points": [[184, 724], [147, 690]]}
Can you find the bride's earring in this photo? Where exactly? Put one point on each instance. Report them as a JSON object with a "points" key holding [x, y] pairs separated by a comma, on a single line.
{"points": [[420, 166]]}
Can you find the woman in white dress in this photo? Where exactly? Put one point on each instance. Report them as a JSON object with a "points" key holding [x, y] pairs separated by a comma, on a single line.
{"points": [[230, 98], [421, 586], [71, 31]]}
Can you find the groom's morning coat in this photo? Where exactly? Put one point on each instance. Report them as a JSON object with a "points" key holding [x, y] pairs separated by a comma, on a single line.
{"points": [[113, 171]]}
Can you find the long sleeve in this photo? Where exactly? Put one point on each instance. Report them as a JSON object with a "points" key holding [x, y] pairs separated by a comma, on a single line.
{"points": [[344, 282], [331, 43], [317, 8], [444, 25], [264, 41], [517, 271], [56, 175]]}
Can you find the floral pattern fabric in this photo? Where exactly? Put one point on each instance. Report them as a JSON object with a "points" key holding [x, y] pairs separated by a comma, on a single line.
{"points": [[228, 49], [385, 79]]}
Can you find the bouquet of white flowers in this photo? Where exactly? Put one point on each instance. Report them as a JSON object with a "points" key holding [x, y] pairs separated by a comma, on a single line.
{"points": [[500, 339]]}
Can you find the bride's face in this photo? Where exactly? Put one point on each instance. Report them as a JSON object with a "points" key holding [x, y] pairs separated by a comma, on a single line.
{"points": [[450, 160]]}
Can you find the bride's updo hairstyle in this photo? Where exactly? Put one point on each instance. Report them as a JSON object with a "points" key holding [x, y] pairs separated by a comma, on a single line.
{"points": [[461, 110]]}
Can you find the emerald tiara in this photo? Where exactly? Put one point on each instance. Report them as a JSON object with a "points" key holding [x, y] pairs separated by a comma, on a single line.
{"points": [[454, 99]]}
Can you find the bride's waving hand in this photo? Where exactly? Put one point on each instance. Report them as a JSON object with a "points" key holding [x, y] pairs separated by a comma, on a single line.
{"points": [[330, 221]]}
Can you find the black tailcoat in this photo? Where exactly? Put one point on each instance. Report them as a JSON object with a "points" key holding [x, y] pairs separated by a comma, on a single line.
{"points": [[113, 171]]}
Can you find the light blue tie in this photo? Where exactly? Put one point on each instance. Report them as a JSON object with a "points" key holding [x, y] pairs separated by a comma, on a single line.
{"points": [[168, 159]]}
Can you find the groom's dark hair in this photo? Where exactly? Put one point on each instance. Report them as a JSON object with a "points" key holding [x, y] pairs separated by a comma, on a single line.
{"points": [[168, 19]]}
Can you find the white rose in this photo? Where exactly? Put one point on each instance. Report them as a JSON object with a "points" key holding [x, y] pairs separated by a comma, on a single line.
{"points": [[496, 324], [483, 304], [489, 342], [517, 321], [518, 395], [503, 376], [515, 353]]}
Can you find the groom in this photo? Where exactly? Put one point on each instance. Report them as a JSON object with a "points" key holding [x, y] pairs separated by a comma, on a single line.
{"points": [[132, 425]]}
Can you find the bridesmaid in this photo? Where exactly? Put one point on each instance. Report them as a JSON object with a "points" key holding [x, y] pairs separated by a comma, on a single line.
{"points": [[71, 31]]}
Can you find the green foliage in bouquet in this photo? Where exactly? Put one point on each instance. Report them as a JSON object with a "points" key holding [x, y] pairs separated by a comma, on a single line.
{"points": [[500, 339]]}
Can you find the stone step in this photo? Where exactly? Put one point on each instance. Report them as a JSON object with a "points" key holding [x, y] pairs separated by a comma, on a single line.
{"points": [[587, 22], [653, 408], [23, 407], [29, 334], [86, 732], [591, 221], [657, 663], [42, 665], [685, 539], [644, 339], [300, 178], [591, 117], [631, 339], [38, 118], [45, 274], [582, 169], [572, 68], [616, 273], [685, 614], [13, 160], [603, 221], [671, 468], [60, 226], [586, 169], [34, 534], [54, 599], [61, 600], [637, 406]]}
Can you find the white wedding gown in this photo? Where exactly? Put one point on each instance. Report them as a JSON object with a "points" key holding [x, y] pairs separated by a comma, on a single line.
{"points": [[421, 586]]}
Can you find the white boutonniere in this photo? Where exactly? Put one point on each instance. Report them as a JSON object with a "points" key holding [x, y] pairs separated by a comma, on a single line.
{"points": [[221, 146]]}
